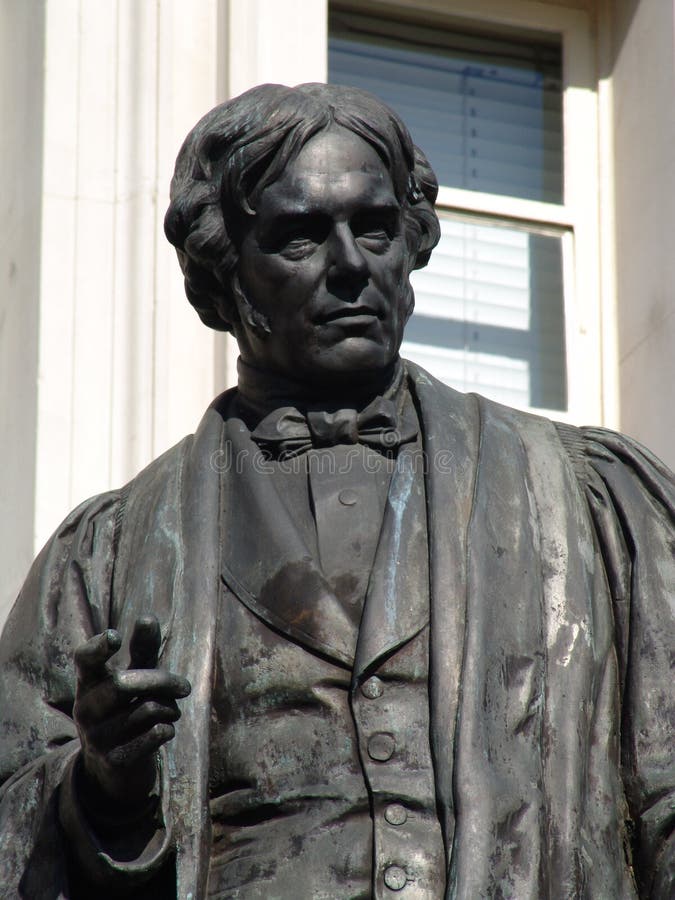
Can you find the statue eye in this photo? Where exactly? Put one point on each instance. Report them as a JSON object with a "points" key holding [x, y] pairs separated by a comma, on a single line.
{"points": [[298, 240], [375, 231], [298, 248], [377, 226], [301, 234]]}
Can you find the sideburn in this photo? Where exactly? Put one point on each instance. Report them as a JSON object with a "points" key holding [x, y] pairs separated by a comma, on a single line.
{"points": [[248, 314]]}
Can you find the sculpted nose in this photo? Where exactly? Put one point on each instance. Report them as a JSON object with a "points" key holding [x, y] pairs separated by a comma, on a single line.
{"points": [[348, 265]]}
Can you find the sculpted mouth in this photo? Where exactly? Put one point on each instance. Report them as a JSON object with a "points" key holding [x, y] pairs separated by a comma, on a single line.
{"points": [[355, 314]]}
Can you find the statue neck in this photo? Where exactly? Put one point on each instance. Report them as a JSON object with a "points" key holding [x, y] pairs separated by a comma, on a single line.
{"points": [[261, 392]]}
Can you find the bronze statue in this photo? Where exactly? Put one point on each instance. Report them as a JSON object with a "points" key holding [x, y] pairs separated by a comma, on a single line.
{"points": [[418, 642]]}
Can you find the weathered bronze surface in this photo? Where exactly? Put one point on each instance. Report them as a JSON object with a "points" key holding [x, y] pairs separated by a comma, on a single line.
{"points": [[359, 635]]}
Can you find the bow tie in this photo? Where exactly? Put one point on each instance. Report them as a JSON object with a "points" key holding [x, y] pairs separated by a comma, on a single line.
{"points": [[287, 432]]}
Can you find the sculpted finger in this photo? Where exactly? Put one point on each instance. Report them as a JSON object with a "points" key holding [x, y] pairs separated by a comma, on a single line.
{"points": [[123, 688], [92, 656], [145, 643], [141, 747], [151, 683], [125, 726], [101, 700]]}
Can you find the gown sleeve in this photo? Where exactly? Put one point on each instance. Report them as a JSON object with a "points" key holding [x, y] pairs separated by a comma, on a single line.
{"points": [[46, 846], [631, 498]]}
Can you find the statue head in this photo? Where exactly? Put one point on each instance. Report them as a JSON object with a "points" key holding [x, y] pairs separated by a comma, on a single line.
{"points": [[241, 178]]}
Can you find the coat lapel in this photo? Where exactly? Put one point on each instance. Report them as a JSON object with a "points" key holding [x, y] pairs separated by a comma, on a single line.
{"points": [[266, 562], [168, 564], [397, 600], [450, 428], [195, 591]]}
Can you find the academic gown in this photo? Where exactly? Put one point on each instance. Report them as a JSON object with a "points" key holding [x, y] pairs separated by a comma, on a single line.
{"points": [[552, 587]]}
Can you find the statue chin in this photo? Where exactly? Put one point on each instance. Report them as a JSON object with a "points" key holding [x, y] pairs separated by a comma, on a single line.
{"points": [[353, 359]]}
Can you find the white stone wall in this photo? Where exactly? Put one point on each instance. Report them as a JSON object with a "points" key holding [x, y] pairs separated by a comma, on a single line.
{"points": [[21, 106], [643, 91]]}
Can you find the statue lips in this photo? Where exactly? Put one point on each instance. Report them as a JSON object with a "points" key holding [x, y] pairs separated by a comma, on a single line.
{"points": [[351, 316]]}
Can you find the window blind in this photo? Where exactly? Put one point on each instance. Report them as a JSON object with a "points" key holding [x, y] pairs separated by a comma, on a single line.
{"points": [[488, 314], [487, 121]]}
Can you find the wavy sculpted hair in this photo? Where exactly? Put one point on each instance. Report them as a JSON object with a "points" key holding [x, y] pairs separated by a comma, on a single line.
{"points": [[245, 144]]}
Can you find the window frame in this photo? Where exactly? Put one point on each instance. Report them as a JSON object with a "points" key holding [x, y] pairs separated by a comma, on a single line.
{"points": [[576, 219]]}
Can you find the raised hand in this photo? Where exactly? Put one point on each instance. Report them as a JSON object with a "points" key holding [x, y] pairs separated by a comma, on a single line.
{"points": [[124, 715]]}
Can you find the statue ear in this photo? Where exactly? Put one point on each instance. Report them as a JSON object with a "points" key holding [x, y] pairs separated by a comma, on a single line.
{"points": [[246, 314]]}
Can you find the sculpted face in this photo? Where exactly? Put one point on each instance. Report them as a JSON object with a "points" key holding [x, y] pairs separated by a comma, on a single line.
{"points": [[325, 261]]}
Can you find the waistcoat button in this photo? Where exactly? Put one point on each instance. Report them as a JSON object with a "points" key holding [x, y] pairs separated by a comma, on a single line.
{"points": [[395, 878], [372, 688], [381, 747], [395, 814], [348, 497]]}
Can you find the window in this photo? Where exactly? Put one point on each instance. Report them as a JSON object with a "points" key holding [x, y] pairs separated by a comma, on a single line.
{"points": [[496, 309]]}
